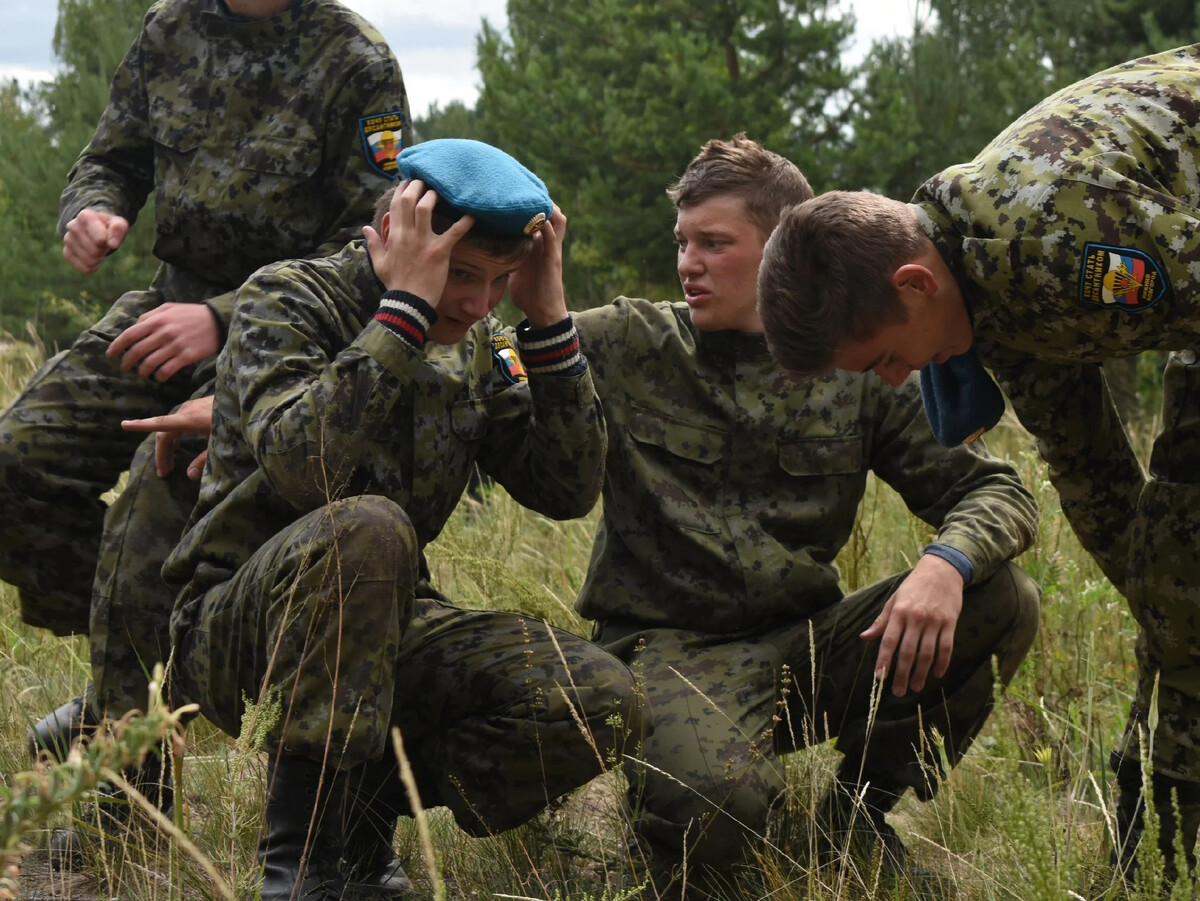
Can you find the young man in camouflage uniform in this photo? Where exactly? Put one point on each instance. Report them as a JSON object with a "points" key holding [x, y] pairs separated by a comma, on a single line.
{"points": [[1071, 239], [341, 443], [729, 490], [248, 121]]}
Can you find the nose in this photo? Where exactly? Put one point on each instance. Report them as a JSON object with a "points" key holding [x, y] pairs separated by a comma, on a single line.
{"points": [[478, 303], [689, 262]]}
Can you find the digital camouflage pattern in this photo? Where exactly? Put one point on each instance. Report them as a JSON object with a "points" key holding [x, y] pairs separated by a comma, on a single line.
{"points": [[326, 478], [247, 133], [728, 492], [726, 705], [334, 613], [1075, 236]]}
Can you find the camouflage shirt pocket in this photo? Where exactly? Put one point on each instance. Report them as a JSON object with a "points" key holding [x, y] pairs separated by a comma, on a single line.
{"points": [[469, 421], [681, 471], [821, 456], [284, 157]]}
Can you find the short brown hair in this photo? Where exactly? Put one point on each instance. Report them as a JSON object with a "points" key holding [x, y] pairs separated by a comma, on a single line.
{"points": [[766, 181], [502, 247], [826, 276]]}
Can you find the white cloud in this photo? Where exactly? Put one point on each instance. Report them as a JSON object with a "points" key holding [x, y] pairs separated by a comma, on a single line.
{"points": [[24, 74]]}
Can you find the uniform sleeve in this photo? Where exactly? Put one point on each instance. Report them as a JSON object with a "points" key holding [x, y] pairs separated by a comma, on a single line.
{"points": [[546, 446], [351, 184], [354, 184], [602, 339], [302, 411], [975, 500], [115, 171], [1068, 409]]}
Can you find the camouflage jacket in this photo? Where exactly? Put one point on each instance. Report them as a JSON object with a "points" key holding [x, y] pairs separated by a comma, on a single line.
{"points": [[729, 489], [317, 401], [1075, 236], [248, 135]]}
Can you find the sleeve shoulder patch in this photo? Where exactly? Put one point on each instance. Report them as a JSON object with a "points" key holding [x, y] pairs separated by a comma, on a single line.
{"points": [[383, 139], [1120, 278], [507, 358]]}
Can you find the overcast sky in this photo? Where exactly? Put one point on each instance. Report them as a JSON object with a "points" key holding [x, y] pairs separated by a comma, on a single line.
{"points": [[434, 41]]}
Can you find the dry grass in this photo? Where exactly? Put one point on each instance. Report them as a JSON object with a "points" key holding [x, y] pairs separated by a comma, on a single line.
{"points": [[1026, 816]]}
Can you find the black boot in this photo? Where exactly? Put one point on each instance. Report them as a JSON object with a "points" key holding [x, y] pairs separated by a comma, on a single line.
{"points": [[375, 800], [114, 812], [1166, 792], [300, 863], [58, 730], [858, 827]]}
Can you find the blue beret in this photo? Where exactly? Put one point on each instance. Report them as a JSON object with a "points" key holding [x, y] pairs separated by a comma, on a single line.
{"points": [[961, 399], [477, 178]]}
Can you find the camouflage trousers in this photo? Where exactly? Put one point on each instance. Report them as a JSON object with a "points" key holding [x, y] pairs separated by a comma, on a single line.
{"points": [[130, 623], [61, 448], [725, 707], [1163, 581], [499, 713]]}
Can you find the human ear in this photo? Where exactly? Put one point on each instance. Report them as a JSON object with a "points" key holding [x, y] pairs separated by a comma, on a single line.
{"points": [[915, 277]]}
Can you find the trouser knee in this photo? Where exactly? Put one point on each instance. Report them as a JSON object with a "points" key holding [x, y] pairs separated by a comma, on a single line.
{"points": [[710, 821]]}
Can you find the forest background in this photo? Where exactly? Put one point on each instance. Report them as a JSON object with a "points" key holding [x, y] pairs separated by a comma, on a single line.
{"points": [[607, 101]]}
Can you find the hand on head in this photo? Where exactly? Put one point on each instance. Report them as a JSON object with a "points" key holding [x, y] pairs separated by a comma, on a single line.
{"points": [[406, 253], [90, 237], [536, 288]]}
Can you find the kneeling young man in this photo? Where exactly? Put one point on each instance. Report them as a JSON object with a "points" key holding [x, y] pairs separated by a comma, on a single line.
{"points": [[729, 491], [354, 396]]}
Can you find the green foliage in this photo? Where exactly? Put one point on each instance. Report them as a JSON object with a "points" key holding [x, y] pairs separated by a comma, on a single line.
{"points": [[608, 101], [42, 130], [455, 120], [936, 97]]}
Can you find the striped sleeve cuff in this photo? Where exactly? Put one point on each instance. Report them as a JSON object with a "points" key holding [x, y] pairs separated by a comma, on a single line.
{"points": [[955, 558], [406, 315], [553, 350]]}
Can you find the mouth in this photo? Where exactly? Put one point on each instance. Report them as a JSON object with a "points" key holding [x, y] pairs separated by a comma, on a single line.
{"points": [[694, 293]]}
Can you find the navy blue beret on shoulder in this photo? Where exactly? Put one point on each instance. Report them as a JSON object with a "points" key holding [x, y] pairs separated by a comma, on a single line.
{"points": [[477, 178], [961, 399]]}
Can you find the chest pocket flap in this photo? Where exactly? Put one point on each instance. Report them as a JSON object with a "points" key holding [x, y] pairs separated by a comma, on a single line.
{"points": [[278, 156], [821, 456], [682, 439]]}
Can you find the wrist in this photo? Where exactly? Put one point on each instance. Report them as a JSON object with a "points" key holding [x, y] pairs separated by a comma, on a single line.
{"points": [[552, 349], [406, 315], [955, 558]]}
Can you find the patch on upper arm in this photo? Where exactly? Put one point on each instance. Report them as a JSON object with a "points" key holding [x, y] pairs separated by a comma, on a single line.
{"points": [[509, 360], [1120, 278], [383, 139]]}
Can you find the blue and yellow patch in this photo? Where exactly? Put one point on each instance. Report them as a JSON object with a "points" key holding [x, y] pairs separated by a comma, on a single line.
{"points": [[509, 360], [383, 139], [1120, 278]]}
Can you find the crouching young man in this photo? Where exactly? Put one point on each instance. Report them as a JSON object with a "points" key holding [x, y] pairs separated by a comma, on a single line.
{"points": [[729, 491], [353, 398]]}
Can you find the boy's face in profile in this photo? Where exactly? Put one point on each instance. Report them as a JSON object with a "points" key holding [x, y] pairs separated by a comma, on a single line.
{"points": [[719, 252]]}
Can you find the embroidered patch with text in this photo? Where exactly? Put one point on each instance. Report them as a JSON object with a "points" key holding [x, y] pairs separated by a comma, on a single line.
{"points": [[383, 139], [508, 358], [1120, 278]]}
